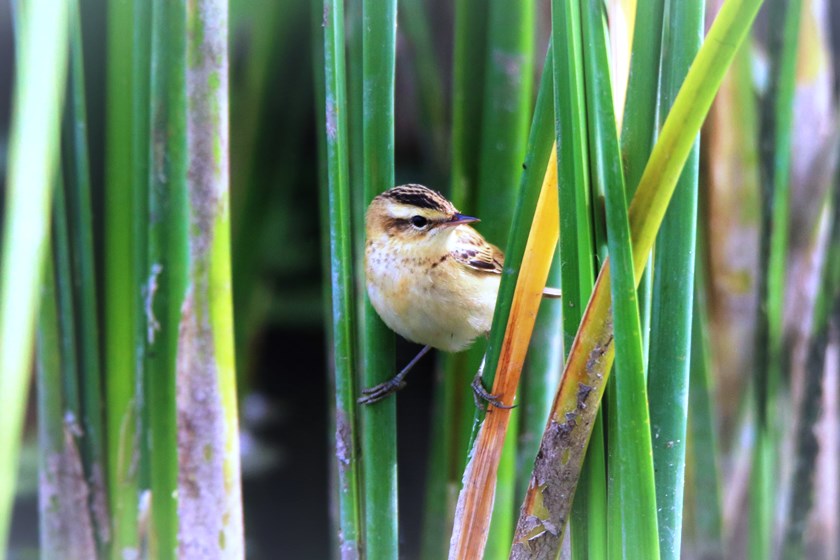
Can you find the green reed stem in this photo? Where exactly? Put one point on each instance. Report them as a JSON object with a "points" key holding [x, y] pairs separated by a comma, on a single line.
{"points": [[379, 421], [635, 479], [32, 163], [350, 527]]}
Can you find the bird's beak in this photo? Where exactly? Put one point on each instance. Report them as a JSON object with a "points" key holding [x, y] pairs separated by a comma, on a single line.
{"points": [[459, 219]]}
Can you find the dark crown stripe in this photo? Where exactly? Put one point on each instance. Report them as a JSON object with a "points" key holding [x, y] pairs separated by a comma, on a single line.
{"points": [[419, 196]]}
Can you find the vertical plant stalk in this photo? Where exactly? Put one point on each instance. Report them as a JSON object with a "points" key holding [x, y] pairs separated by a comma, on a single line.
{"points": [[341, 259], [635, 491], [775, 154], [126, 180], [379, 422], [673, 289], [80, 220], [33, 158], [639, 129], [165, 266], [577, 263], [545, 511], [209, 492], [316, 21]]}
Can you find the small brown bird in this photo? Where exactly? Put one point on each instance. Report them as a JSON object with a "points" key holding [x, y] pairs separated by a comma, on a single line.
{"points": [[431, 277]]}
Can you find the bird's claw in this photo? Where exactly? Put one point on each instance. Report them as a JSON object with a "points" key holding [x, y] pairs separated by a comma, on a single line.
{"points": [[481, 396], [379, 392]]}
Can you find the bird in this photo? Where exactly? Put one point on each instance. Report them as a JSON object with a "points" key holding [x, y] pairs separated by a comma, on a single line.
{"points": [[430, 276]]}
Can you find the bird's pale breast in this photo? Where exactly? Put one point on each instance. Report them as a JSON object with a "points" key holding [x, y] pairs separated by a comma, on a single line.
{"points": [[433, 301]]}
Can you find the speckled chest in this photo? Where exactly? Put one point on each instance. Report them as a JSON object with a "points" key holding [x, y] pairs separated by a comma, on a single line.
{"points": [[428, 300]]}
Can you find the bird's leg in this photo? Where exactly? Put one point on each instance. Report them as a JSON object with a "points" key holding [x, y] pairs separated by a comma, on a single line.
{"points": [[481, 395], [378, 392]]}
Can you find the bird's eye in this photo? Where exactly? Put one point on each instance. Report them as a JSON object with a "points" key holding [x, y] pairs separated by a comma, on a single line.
{"points": [[419, 221]]}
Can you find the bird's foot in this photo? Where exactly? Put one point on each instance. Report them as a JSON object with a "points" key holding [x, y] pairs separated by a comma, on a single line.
{"points": [[482, 395], [378, 392]]}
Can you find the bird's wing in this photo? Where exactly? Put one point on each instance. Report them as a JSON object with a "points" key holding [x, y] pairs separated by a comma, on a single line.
{"points": [[473, 251]]}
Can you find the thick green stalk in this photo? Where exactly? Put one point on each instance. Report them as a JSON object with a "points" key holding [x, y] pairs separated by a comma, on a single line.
{"points": [[635, 487], [379, 421], [576, 253], [341, 259], [32, 159], [775, 129], [673, 289], [126, 179], [165, 269], [576, 236], [80, 220]]}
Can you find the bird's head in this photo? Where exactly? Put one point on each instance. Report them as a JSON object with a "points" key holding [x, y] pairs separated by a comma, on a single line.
{"points": [[413, 214]]}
